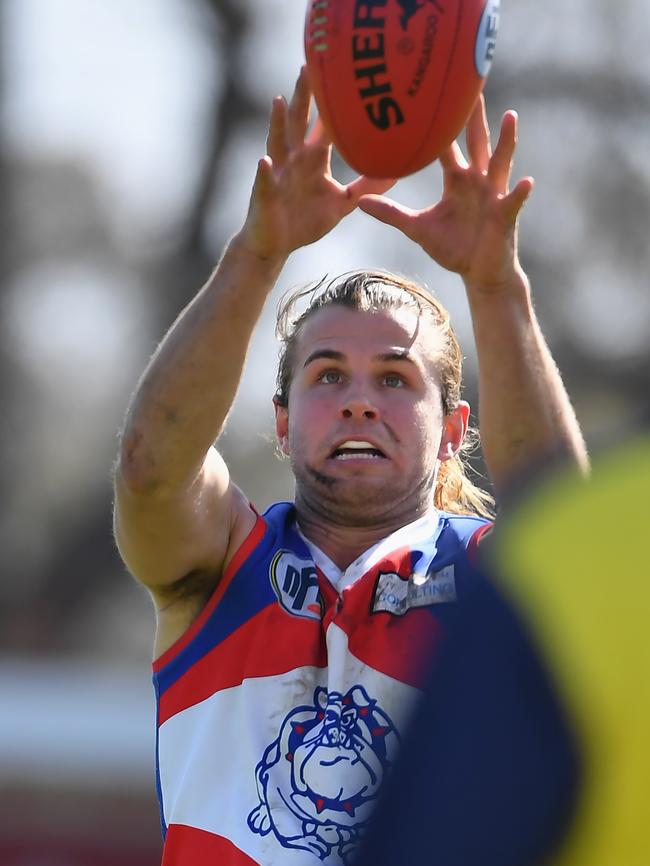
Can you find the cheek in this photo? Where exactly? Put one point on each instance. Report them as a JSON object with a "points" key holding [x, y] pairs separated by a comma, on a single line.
{"points": [[427, 426], [307, 423], [312, 408]]}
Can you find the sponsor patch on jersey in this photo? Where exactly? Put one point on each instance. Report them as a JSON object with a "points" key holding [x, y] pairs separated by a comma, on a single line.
{"points": [[295, 583], [395, 594]]}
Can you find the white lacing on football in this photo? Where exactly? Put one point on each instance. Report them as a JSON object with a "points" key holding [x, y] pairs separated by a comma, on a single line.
{"points": [[319, 22]]}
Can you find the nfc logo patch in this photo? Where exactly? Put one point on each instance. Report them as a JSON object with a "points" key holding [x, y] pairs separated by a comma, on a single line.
{"points": [[295, 582], [396, 595]]}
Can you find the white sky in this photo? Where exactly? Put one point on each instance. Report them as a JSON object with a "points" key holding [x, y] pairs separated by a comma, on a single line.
{"points": [[112, 84]]}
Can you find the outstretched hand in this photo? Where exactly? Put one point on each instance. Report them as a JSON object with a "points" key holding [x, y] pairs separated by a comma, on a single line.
{"points": [[295, 200], [472, 230]]}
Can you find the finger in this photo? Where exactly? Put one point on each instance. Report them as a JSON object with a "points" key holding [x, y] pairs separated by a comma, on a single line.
{"points": [[500, 167], [320, 143], [298, 114], [454, 166], [276, 140], [264, 183], [388, 211], [512, 203], [369, 186], [320, 138], [451, 158], [477, 136], [318, 133], [315, 161]]}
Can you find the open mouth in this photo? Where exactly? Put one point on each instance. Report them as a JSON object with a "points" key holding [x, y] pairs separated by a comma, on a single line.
{"points": [[357, 449]]}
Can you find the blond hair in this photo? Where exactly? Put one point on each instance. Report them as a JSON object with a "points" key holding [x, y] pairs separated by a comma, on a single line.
{"points": [[379, 290]]}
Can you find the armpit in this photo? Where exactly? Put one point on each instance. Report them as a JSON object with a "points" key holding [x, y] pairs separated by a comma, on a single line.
{"points": [[195, 587]]}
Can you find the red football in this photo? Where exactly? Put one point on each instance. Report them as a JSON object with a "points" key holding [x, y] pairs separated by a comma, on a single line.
{"points": [[396, 80]]}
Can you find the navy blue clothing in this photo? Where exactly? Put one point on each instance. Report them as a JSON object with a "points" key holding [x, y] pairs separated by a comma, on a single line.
{"points": [[489, 768]]}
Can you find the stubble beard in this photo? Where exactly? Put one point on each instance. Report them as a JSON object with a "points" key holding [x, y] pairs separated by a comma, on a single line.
{"points": [[362, 502]]}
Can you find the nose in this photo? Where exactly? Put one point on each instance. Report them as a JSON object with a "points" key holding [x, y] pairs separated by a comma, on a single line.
{"points": [[357, 405]]}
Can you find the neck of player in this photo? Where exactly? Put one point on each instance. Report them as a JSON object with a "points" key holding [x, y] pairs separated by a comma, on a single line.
{"points": [[342, 538]]}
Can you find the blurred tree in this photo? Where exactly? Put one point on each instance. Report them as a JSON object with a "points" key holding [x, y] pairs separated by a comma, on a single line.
{"points": [[585, 133], [83, 566]]}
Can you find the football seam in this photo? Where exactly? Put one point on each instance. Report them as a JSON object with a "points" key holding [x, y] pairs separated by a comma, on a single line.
{"points": [[334, 126], [421, 147], [327, 92], [318, 17], [408, 161]]}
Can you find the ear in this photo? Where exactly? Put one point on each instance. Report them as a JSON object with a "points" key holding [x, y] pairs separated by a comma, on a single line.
{"points": [[454, 427], [281, 426]]}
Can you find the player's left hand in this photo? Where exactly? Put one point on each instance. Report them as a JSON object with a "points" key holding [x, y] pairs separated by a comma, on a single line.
{"points": [[472, 230]]}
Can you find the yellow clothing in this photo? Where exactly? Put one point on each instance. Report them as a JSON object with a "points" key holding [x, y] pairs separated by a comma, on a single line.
{"points": [[575, 559]]}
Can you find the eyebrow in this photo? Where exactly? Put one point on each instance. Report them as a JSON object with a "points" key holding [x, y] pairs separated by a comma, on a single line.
{"points": [[324, 353], [333, 355]]}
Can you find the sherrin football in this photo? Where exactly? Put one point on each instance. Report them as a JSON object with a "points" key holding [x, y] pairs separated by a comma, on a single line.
{"points": [[396, 80]]}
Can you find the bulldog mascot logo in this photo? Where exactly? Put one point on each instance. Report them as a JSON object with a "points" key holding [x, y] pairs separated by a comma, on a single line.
{"points": [[318, 781]]}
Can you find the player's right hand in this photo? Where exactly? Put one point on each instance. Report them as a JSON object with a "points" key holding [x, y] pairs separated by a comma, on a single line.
{"points": [[295, 200]]}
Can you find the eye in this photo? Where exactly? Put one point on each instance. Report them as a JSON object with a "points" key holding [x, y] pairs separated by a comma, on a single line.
{"points": [[393, 380], [330, 377]]}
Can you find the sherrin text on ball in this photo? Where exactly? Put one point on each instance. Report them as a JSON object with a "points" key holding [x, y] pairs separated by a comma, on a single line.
{"points": [[396, 80]]}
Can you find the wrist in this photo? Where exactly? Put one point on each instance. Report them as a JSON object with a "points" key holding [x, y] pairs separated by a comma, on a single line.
{"points": [[512, 283], [495, 306], [243, 248]]}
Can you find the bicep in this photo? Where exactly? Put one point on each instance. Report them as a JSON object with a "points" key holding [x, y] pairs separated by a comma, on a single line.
{"points": [[163, 537]]}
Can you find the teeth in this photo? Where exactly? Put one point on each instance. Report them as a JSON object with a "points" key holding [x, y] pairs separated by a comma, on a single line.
{"points": [[364, 456], [357, 449]]}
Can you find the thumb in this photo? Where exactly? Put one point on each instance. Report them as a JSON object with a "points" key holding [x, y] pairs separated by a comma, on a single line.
{"points": [[515, 200], [264, 183], [388, 211]]}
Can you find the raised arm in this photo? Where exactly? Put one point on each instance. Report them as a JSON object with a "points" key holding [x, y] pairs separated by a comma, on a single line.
{"points": [[178, 516], [524, 413]]}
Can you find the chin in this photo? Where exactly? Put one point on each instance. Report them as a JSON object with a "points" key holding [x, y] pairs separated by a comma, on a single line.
{"points": [[355, 501]]}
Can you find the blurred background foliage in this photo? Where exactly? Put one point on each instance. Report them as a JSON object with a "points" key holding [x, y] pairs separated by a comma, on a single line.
{"points": [[130, 135]]}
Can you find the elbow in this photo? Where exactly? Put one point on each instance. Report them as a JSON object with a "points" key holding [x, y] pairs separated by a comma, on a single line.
{"points": [[581, 456], [149, 468], [135, 469]]}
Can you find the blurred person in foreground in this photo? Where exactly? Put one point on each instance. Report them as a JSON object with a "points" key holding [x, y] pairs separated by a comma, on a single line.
{"points": [[290, 646], [530, 744]]}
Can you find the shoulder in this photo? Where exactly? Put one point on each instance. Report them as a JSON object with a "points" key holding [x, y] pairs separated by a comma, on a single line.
{"points": [[280, 515], [254, 540], [462, 530], [266, 531]]}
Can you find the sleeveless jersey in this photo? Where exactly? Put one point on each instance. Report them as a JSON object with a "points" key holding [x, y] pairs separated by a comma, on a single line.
{"points": [[281, 708]]}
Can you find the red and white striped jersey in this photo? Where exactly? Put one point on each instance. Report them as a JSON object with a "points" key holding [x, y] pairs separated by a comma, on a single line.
{"points": [[280, 710]]}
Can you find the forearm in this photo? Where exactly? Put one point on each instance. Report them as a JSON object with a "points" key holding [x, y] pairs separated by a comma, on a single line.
{"points": [[186, 392], [525, 414]]}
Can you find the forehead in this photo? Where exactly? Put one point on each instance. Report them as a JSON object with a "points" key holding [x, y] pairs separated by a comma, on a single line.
{"points": [[371, 332]]}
